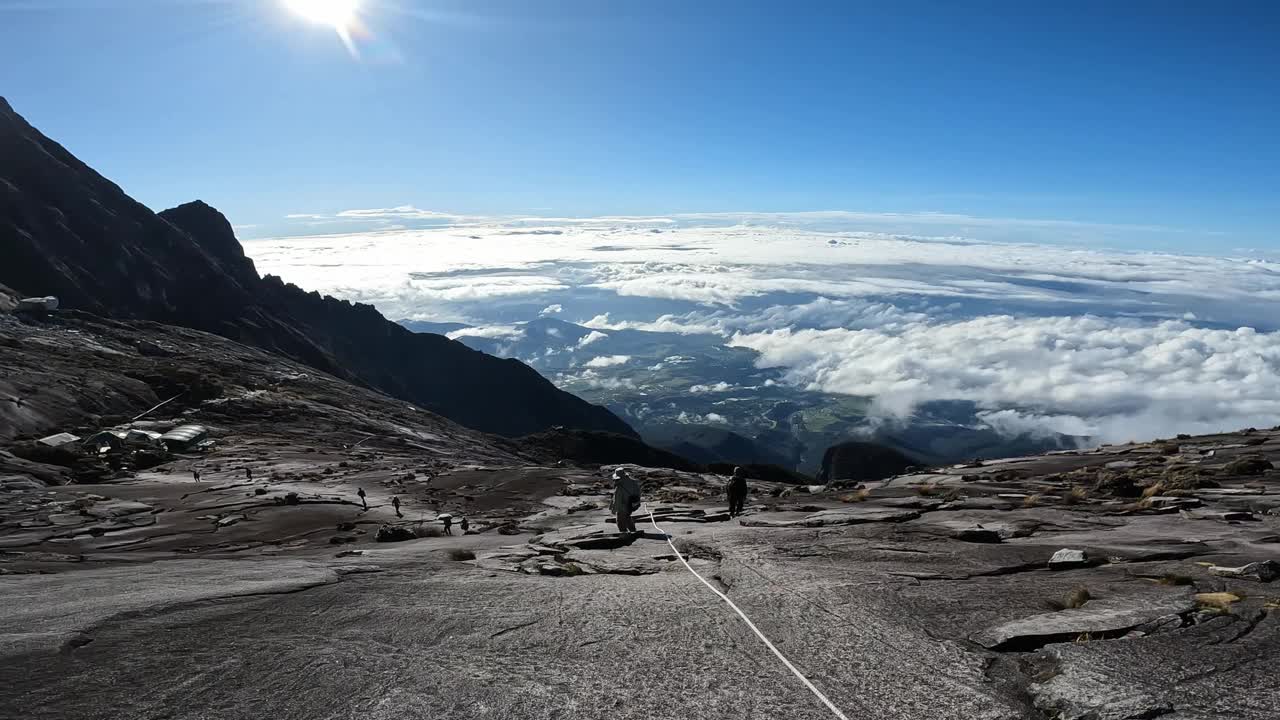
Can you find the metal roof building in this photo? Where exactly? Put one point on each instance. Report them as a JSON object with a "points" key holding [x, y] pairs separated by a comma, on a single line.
{"points": [[184, 436]]}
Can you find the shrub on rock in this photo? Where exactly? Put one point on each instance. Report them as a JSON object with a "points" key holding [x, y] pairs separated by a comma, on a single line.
{"points": [[394, 533], [1248, 465]]}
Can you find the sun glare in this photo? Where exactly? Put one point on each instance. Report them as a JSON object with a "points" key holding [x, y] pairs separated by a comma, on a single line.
{"points": [[338, 13]]}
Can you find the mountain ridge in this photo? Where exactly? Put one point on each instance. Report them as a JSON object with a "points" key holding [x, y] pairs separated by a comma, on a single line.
{"points": [[70, 232]]}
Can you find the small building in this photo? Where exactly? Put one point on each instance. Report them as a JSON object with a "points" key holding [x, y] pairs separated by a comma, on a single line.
{"points": [[142, 438], [185, 437], [58, 440]]}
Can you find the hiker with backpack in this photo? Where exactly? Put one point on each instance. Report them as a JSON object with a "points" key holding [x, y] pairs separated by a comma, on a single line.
{"points": [[626, 500]]}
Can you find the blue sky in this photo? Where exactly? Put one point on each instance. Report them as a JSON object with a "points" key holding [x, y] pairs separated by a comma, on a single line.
{"points": [[1153, 114]]}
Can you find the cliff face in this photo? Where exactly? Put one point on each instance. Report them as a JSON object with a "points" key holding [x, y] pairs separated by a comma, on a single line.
{"points": [[67, 231], [854, 460]]}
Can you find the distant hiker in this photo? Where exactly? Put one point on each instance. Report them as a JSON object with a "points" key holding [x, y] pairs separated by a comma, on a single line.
{"points": [[626, 500], [363, 502], [195, 473], [737, 491], [448, 524], [248, 474], [464, 525], [395, 503]]}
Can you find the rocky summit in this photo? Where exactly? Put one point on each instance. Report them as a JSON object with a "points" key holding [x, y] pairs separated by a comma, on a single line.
{"points": [[224, 497], [68, 232]]}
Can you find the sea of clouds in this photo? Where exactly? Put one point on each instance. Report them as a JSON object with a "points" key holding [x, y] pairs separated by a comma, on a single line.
{"points": [[1043, 337]]}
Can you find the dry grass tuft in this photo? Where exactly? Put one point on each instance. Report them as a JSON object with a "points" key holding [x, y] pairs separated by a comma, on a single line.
{"points": [[1219, 600], [1153, 490], [1077, 495], [927, 490], [1031, 501], [461, 554], [1075, 599], [859, 495], [1172, 579]]}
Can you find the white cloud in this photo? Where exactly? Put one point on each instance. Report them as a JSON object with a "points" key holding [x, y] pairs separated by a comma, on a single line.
{"points": [[1114, 378], [591, 337], [697, 419], [488, 331], [665, 323], [719, 387], [1046, 336], [605, 361], [591, 378], [402, 212]]}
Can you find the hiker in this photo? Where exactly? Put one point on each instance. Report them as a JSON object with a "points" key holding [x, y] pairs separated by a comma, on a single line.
{"points": [[248, 474], [395, 503], [626, 500], [448, 524], [737, 491], [464, 525], [363, 502], [195, 474]]}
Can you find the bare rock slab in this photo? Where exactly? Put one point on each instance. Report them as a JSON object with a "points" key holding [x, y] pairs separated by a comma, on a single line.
{"points": [[1104, 617], [840, 517], [1264, 571]]}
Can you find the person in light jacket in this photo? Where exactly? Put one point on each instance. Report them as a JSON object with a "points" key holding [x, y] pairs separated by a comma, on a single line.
{"points": [[626, 499]]}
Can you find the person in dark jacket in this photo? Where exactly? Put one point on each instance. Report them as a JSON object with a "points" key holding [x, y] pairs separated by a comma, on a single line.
{"points": [[737, 491]]}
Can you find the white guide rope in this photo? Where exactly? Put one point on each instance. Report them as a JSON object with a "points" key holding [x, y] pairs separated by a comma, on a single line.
{"points": [[818, 693]]}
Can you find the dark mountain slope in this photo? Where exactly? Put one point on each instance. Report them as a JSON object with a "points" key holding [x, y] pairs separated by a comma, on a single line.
{"points": [[597, 448], [707, 445], [67, 231], [855, 460]]}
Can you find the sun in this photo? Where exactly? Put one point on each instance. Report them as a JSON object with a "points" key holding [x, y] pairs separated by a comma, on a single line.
{"points": [[338, 13]]}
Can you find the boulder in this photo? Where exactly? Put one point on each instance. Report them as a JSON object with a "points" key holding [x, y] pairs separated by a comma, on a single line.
{"points": [[1264, 571], [229, 520], [1066, 559], [116, 508]]}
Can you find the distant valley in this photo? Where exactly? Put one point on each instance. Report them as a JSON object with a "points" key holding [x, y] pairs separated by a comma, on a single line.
{"points": [[696, 396]]}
